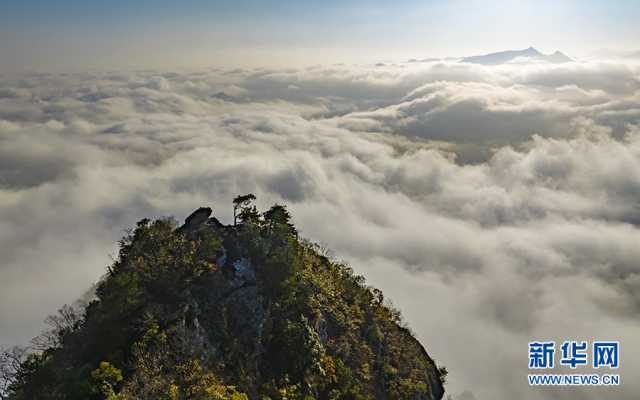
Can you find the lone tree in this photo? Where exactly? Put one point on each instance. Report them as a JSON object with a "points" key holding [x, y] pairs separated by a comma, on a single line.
{"points": [[278, 215], [241, 203]]}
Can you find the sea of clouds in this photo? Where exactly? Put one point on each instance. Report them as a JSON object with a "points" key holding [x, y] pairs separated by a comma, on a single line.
{"points": [[494, 205]]}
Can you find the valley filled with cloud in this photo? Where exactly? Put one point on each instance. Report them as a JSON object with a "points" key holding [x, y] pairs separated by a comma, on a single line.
{"points": [[494, 205]]}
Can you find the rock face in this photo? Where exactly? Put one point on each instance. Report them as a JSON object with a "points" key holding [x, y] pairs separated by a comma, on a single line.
{"points": [[197, 218], [210, 311]]}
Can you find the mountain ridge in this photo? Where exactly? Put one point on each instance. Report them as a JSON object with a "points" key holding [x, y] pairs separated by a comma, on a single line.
{"points": [[208, 311], [506, 56]]}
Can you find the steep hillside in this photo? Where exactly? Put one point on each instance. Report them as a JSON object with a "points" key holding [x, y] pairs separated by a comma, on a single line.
{"points": [[245, 311]]}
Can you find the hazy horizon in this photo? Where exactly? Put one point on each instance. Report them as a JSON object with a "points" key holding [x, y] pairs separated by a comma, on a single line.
{"points": [[70, 35]]}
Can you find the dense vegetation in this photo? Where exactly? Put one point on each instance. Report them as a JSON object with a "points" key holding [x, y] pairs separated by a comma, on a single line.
{"points": [[208, 311]]}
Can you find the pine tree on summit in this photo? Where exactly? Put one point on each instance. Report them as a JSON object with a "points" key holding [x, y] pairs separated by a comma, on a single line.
{"points": [[278, 215], [240, 205]]}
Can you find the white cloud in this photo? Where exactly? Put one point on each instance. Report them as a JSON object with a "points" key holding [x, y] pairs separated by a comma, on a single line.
{"points": [[537, 238]]}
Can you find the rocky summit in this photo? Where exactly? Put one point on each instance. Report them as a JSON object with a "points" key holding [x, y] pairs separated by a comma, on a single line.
{"points": [[243, 311]]}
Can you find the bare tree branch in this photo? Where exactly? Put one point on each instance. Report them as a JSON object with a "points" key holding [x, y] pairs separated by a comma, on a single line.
{"points": [[66, 320], [10, 361]]}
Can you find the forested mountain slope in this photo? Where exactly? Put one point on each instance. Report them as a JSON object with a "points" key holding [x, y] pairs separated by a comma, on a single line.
{"points": [[244, 311]]}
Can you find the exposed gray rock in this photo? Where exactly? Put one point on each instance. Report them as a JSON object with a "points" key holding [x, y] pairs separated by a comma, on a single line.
{"points": [[197, 218]]}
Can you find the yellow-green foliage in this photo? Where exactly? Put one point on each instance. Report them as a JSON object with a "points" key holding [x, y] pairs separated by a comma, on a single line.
{"points": [[105, 378], [176, 319]]}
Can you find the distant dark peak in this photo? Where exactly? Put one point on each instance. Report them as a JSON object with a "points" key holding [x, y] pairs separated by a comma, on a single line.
{"points": [[424, 60], [557, 57], [503, 57], [197, 218]]}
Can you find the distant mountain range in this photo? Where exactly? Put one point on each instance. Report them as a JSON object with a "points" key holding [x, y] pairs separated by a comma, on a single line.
{"points": [[531, 53]]}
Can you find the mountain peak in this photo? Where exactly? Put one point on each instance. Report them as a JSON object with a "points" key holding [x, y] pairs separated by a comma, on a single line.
{"points": [[506, 56], [232, 312], [557, 57]]}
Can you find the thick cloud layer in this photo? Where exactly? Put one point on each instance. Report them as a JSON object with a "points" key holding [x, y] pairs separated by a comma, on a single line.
{"points": [[494, 205]]}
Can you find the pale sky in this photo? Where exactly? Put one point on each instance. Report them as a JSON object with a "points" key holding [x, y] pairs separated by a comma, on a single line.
{"points": [[76, 35]]}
